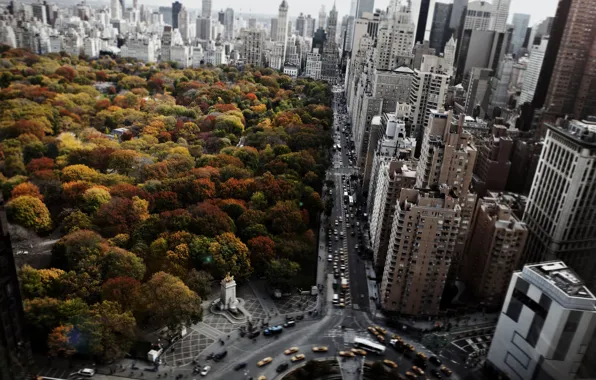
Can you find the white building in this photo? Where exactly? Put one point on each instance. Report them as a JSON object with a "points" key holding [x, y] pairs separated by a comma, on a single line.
{"points": [[229, 24], [499, 16], [313, 65], [291, 71], [395, 38], [546, 325], [91, 46], [278, 53], [520, 28], [479, 15], [253, 47], [533, 71], [144, 50], [561, 212], [428, 91], [181, 54]]}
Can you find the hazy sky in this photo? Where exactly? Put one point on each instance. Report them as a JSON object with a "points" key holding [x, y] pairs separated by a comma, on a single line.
{"points": [[538, 9]]}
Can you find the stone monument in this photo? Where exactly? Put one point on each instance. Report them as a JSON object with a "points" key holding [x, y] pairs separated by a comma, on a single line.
{"points": [[227, 298]]}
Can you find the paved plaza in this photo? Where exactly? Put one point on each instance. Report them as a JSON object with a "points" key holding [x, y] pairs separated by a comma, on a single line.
{"points": [[186, 349], [295, 304]]}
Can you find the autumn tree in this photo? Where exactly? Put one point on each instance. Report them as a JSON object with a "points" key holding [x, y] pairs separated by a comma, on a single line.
{"points": [[26, 188], [262, 251], [209, 220], [60, 342], [231, 255], [167, 301], [118, 262], [30, 212], [200, 282], [76, 220], [95, 197], [82, 246], [124, 290], [38, 282]]}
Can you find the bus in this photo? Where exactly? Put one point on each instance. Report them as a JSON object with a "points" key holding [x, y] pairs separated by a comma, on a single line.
{"points": [[367, 345], [351, 200]]}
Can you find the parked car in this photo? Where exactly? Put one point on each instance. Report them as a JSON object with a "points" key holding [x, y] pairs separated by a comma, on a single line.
{"points": [[205, 370], [87, 372]]}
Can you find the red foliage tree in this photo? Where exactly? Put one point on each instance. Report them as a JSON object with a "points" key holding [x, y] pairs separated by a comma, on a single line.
{"points": [[262, 251], [117, 216], [26, 188], [202, 189], [38, 164], [237, 188], [165, 200], [126, 190], [124, 290], [209, 220], [30, 126]]}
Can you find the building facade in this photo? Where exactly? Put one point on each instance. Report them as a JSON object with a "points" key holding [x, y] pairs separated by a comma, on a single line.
{"points": [[561, 212], [546, 325]]}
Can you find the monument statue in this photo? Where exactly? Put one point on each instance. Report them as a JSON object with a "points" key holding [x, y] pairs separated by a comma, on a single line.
{"points": [[228, 293]]}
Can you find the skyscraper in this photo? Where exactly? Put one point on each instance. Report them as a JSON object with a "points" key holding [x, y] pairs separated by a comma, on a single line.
{"points": [[229, 24], [206, 8], [322, 18], [176, 7], [220, 17], [459, 6], [273, 29], [499, 16], [364, 6], [520, 27], [253, 46], [278, 52], [116, 9], [424, 22], [395, 38], [533, 71], [561, 212], [184, 24], [301, 25], [478, 16], [571, 90], [440, 31]]}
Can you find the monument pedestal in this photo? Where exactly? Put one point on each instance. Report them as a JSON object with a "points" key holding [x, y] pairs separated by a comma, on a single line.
{"points": [[228, 294]]}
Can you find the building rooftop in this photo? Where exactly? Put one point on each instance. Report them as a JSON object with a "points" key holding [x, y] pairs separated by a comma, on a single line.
{"points": [[561, 283], [582, 132]]}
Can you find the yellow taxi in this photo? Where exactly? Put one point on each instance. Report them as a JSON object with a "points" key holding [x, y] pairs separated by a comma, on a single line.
{"points": [[291, 350], [395, 336], [297, 358], [410, 375], [320, 349], [359, 351], [381, 330], [410, 347], [381, 338], [265, 361], [262, 377], [390, 363], [418, 371], [421, 356], [346, 354], [446, 370], [372, 330]]}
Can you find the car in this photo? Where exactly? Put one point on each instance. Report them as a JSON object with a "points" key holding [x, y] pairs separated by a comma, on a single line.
{"points": [[390, 363], [435, 360], [417, 371], [421, 356], [262, 377], [282, 367], [254, 334], [381, 330], [297, 358], [87, 372], [240, 366], [446, 370], [436, 373], [342, 305], [347, 354], [381, 338], [329, 258], [290, 324], [320, 349], [220, 355], [205, 370], [359, 351], [291, 350], [410, 375], [372, 330], [265, 361]]}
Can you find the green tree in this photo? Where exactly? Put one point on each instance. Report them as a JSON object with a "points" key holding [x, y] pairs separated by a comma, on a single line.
{"points": [[95, 197], [279, 273], [118, 262], [76, 220], [200, 282], [30, 212]]}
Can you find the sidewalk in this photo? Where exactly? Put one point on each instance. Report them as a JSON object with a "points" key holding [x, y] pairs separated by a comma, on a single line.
{"points": [[258, 287]]}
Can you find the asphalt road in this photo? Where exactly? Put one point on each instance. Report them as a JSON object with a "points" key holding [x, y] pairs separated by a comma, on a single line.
{"points": [[336, 329]]}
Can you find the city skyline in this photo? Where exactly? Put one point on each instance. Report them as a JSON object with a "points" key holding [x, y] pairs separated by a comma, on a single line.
{"points": [[537, 9]]}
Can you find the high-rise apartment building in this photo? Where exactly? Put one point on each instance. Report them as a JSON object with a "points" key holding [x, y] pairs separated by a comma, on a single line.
{"points": [[493, 162], [301, 25], [533, 71], [321, 24], [520, 28], [273, 29], [428, 92], [499, 15], [220, 17], [561, 212], [309, 26], [571, 90], [422, 242], [176, 7], [330, 56], [206, 10], [395, 38], [184, 24], [440, 31], [116, 9], [278, 52], [253, 47], [166, 13], [477, 85], [546, 327], [494, 248], [364, 6]]}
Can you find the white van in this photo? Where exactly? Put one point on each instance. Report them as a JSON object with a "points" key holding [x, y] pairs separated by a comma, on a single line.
{"points": [[335, 299]]}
